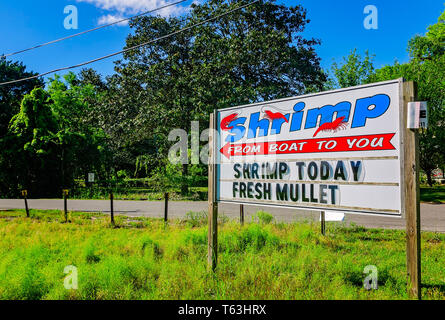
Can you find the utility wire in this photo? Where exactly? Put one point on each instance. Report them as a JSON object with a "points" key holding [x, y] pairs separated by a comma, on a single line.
{"points": [[90, 30], [132, 48]]}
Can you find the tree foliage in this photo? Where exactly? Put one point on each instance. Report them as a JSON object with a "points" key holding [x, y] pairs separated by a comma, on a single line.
{"points": [[254, 54], [49, 141], [30, 153], [427, 68], [11, 95], [353, 71]]}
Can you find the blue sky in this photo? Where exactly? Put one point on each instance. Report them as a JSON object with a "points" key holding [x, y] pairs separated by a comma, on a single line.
{"points": [[339, 25]]}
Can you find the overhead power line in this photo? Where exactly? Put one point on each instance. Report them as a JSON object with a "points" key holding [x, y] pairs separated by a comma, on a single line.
{"points": [[132, 48], [91, 30]]}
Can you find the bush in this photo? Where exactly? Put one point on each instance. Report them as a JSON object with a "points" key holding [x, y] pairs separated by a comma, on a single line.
{"points": [[263, 217], [196, 219]]}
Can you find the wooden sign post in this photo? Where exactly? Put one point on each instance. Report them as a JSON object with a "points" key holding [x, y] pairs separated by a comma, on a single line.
{"points": [[411, 196], [213, 205]]}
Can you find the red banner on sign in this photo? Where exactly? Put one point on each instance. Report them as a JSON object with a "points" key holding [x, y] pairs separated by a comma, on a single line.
{"points": [[339, 144]]}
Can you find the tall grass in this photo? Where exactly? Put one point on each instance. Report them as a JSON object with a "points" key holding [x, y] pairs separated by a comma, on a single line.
{"points": [[145, 259]]}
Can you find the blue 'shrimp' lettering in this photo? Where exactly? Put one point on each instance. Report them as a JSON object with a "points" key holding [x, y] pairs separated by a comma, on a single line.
{"points": [[365, 108]]}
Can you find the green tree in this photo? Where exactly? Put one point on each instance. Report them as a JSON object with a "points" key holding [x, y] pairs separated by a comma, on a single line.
{"points": [[119, 112], [353, 71], [432, 44], [90, 76], [31, 147], [51, 140], [254, 54], [251, 55], [427, 68], [82, 142], [12, 94], [10, 98], [157, 79]]}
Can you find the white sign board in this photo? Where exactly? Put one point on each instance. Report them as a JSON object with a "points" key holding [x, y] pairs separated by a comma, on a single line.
{"points": [[90, 177], [338, 150], [333, 216]]}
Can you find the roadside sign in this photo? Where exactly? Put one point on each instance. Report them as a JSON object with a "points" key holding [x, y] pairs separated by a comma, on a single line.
{"points": [[333, 216], [90, 177], [337, 150], [417, 115], [350, 150]]}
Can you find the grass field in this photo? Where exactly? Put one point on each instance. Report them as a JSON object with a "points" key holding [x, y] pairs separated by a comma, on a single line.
{"points": [[144, 259], [435, 194]]}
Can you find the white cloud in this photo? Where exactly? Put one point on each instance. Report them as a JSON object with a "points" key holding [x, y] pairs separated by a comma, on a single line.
{"points": [[132, 7], [121, 9], [110, 18]]}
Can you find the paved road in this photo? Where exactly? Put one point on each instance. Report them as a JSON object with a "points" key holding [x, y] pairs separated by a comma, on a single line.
{"points": [[432, 216]]}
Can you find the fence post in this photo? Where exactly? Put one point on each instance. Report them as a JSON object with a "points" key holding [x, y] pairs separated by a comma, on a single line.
{"points": [[323, 222], [25, 196], [166, 207], [65, 205], [111, 208], [241, 214]]}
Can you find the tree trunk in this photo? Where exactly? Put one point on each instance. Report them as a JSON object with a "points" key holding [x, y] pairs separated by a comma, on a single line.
{"points": [[184, 186], [429, 176]]}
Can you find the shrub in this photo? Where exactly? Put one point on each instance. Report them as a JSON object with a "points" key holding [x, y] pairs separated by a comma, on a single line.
{"points": [[264, 217], [196, 219]]}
